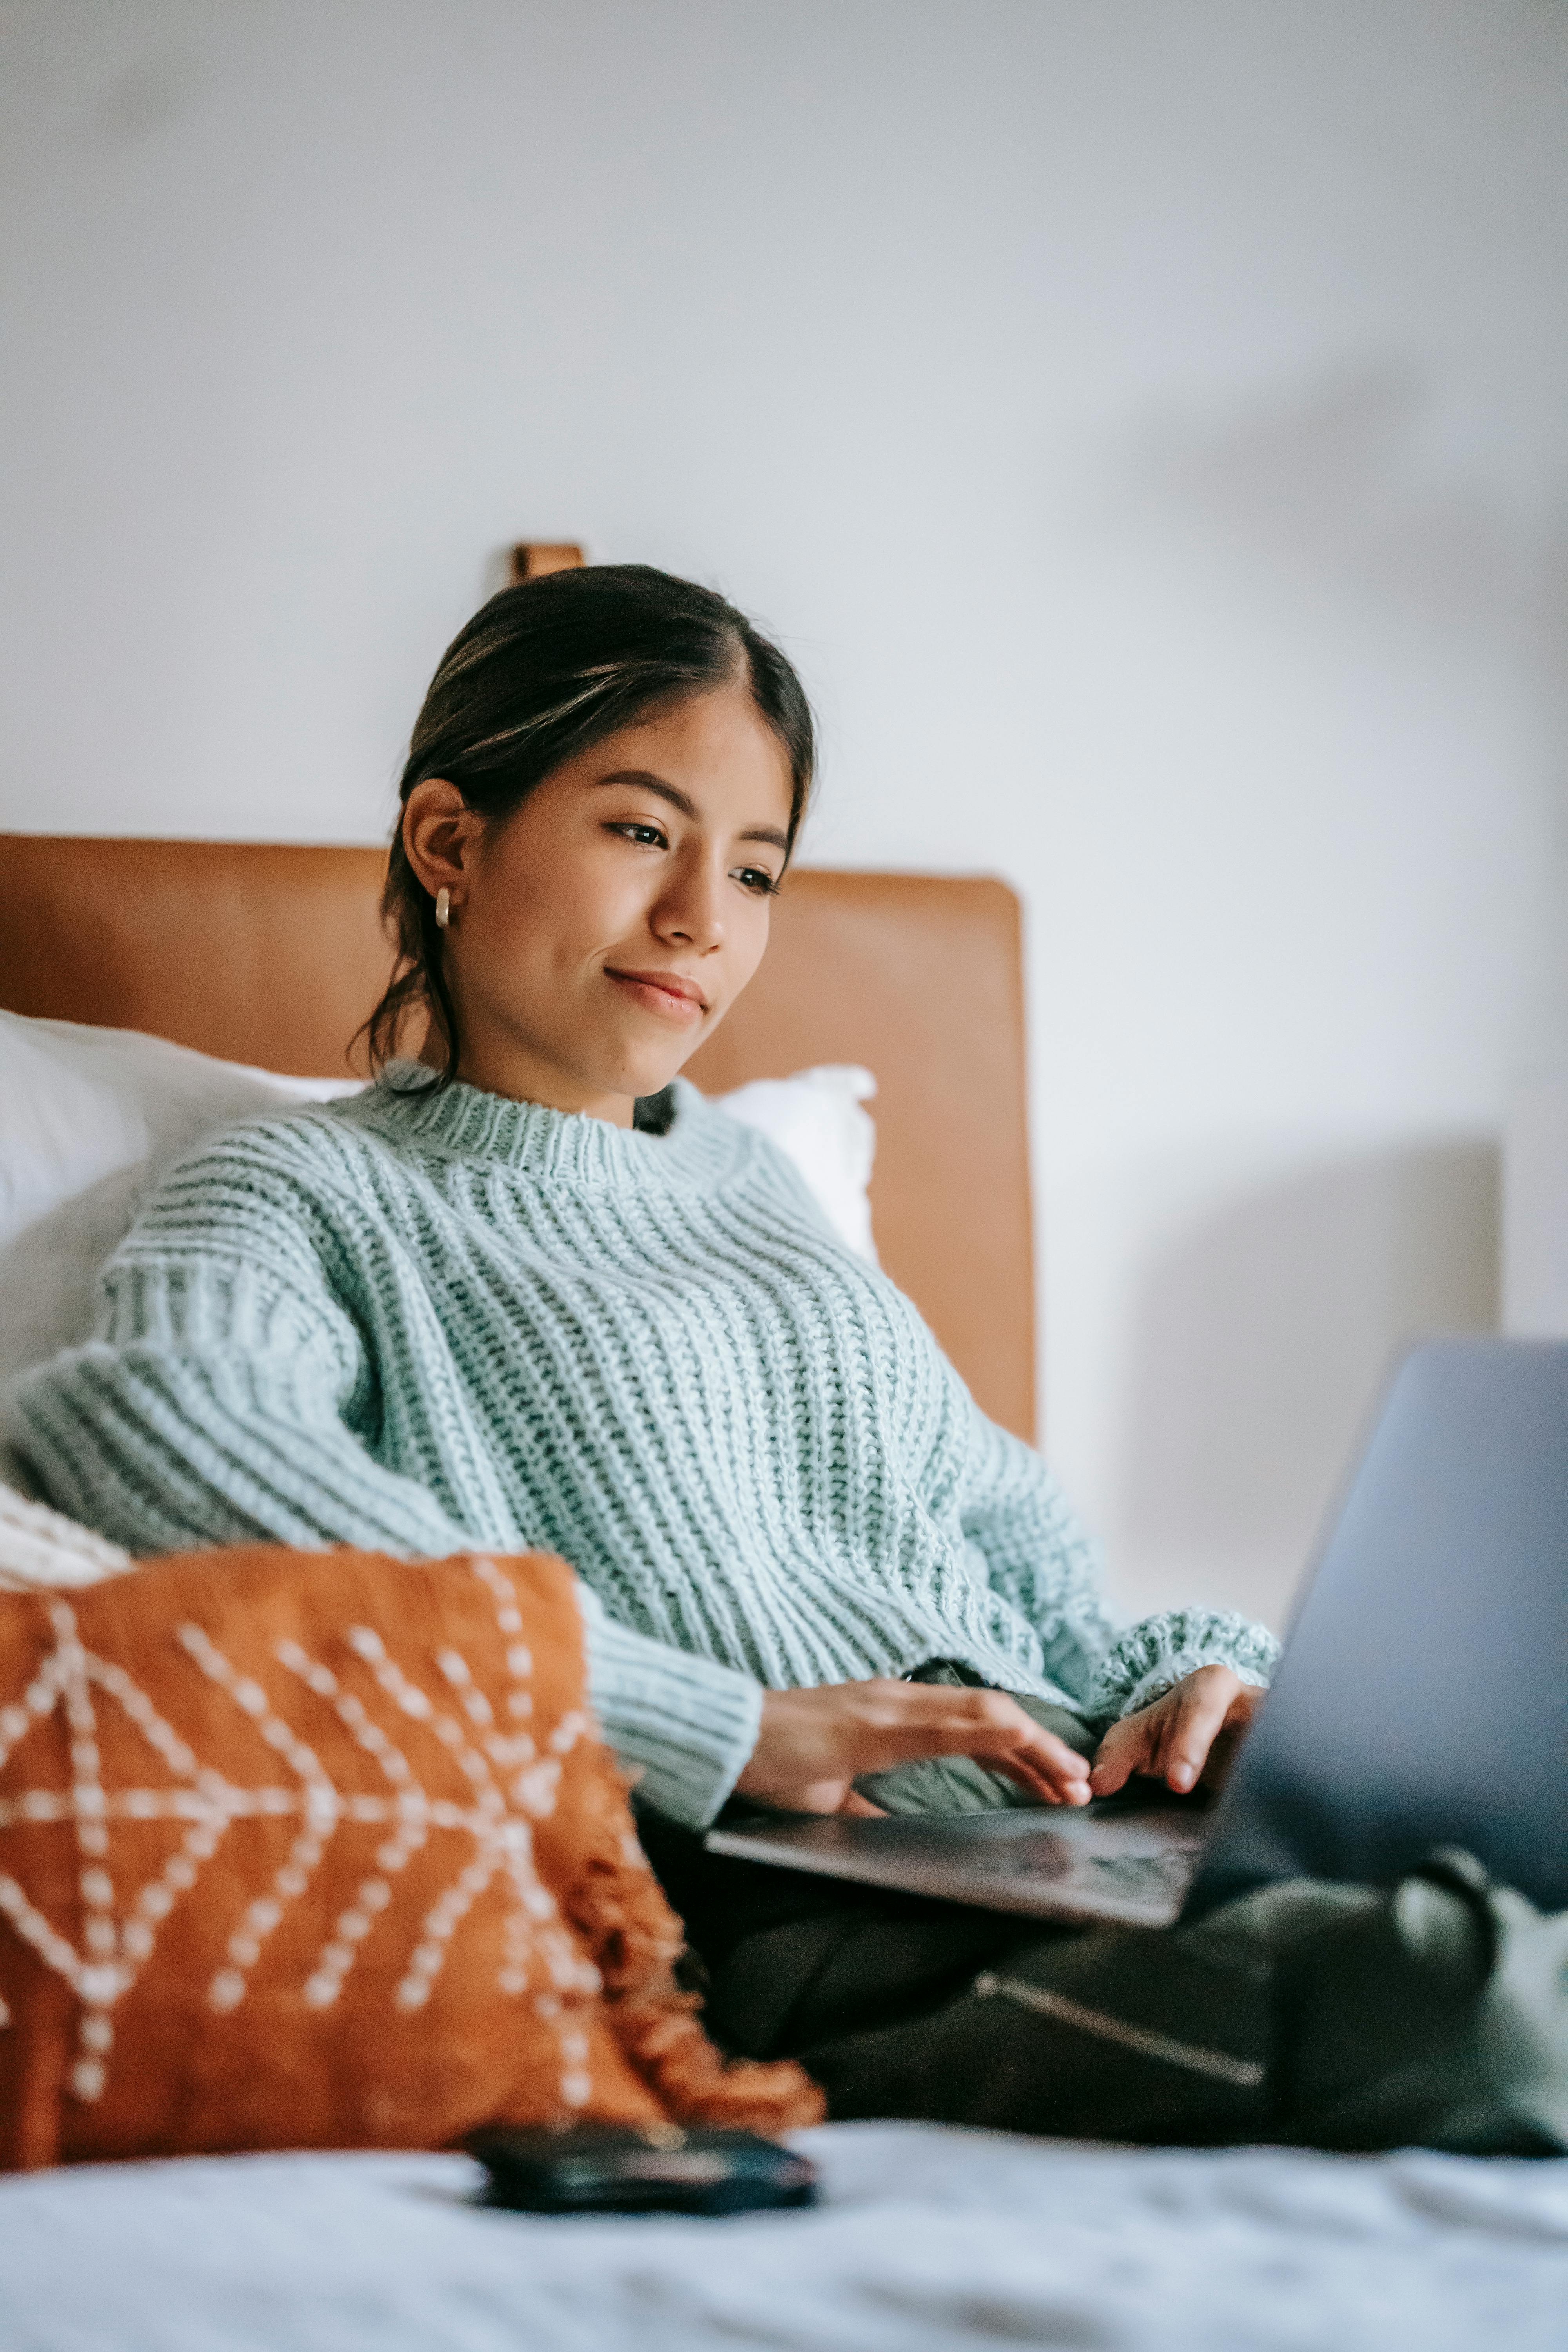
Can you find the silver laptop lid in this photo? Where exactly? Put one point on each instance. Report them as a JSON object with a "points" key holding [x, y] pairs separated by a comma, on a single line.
{"points": [[1423, 1698]]}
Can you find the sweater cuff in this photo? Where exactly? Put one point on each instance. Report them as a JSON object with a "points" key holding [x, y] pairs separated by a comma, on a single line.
{"points": [[684, 1727], [1152, 1657]]}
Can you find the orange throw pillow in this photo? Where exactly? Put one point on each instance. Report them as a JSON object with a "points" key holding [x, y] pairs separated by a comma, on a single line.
{"points": [[321, 1850]]}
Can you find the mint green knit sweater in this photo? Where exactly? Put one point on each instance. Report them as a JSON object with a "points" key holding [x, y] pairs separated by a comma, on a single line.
{"points": [[423, 1322]]}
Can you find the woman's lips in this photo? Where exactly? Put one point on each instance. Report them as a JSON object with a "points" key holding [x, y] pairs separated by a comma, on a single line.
{"points": [[664, 992]]}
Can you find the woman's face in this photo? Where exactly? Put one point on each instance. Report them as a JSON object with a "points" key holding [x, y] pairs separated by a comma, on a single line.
{"points": [[601, 933]]}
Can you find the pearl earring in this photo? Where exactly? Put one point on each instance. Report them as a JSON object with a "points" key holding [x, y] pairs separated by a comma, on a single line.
{"points": [[443, 909]]}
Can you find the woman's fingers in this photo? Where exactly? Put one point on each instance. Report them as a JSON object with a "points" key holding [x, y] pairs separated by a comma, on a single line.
{"points": [[1243, 1707], [1190, 1726], [1202, 1704], [1035, 1758], [1127, 1747], [1173, 1739], [812, 1744], [991, 1728]]}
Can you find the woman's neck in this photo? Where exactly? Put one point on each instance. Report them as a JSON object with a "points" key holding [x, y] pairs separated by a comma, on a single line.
{"points": [[504, 1068]]}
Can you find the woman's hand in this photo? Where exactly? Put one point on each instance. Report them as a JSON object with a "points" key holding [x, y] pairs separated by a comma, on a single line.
{"points": [[812, 1744], [1185, 1738]]}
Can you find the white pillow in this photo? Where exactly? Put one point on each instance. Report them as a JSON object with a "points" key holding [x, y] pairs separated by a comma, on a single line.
{"points": [[815, 1117], [40, 1549], [91, 1120]]}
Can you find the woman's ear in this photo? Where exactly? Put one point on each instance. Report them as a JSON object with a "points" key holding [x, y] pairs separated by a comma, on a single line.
{"points": [[440, 833]]}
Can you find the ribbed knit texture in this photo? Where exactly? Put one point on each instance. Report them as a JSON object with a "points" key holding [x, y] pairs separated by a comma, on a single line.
{"points": [[424, 1322]]}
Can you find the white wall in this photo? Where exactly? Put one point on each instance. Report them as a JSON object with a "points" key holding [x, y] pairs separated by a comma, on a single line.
{"points": [[1147, 425]]}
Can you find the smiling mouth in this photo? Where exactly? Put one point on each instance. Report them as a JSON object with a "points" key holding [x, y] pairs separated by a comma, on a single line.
{"points": [[661, 991]]}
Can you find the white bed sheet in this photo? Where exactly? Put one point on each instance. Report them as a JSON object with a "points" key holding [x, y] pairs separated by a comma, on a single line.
{"points": [[928, 2238]]}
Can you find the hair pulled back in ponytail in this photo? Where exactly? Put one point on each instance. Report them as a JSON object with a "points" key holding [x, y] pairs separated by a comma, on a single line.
{"points": [[541, 673]]}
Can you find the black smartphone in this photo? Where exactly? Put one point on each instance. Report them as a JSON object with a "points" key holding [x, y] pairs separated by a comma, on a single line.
{"points": [[638, 2168]]}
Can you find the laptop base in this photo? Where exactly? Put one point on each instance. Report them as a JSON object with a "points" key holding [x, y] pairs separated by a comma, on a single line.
{"points": [[1131, 1863]]}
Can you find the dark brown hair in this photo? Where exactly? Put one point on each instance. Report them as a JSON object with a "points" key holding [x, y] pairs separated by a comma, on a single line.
{"points": [[541, 673]]}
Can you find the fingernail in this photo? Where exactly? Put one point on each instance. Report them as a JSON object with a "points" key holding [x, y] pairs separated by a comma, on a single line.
{"points": [[1181, 1776]]}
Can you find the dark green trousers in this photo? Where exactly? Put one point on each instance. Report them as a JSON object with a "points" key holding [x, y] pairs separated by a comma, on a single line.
{"points": [[1434, 2014]]}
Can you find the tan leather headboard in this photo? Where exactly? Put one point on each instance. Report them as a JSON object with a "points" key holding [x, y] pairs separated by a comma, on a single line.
{"points": [[274, 955]]}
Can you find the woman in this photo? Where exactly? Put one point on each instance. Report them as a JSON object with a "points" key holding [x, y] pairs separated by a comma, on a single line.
{"points": [[532, 1291]]}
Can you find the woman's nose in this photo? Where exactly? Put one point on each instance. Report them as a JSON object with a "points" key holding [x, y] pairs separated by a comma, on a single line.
{"points": [[691, 908]]}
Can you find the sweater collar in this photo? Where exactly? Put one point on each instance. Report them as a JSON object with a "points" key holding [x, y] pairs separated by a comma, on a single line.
{"points": [[462, 1122]]}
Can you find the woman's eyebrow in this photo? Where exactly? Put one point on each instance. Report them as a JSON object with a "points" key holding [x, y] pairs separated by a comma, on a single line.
{"points": [[685, 804]]}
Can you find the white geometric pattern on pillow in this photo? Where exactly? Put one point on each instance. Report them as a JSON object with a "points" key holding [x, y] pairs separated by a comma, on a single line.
{"points": [[511, 1786]]}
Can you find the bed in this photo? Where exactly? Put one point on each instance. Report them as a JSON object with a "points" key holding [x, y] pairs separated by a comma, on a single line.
{"points": [[926, 2236]]}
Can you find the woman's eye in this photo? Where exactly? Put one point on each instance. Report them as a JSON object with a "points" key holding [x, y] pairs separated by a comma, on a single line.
{"points": [[756, 878], [646, 836]]}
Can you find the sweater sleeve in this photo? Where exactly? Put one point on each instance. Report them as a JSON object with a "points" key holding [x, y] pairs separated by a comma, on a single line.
{"points": [[211, 1410], [1037, 1556]]}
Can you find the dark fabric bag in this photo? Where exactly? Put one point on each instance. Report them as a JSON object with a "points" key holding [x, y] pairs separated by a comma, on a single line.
{"points": [[1432, 2014], [1322, 2016]]}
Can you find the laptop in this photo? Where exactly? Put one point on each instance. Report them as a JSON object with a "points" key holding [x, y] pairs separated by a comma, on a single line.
{"points": [[1422, 1699]]}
